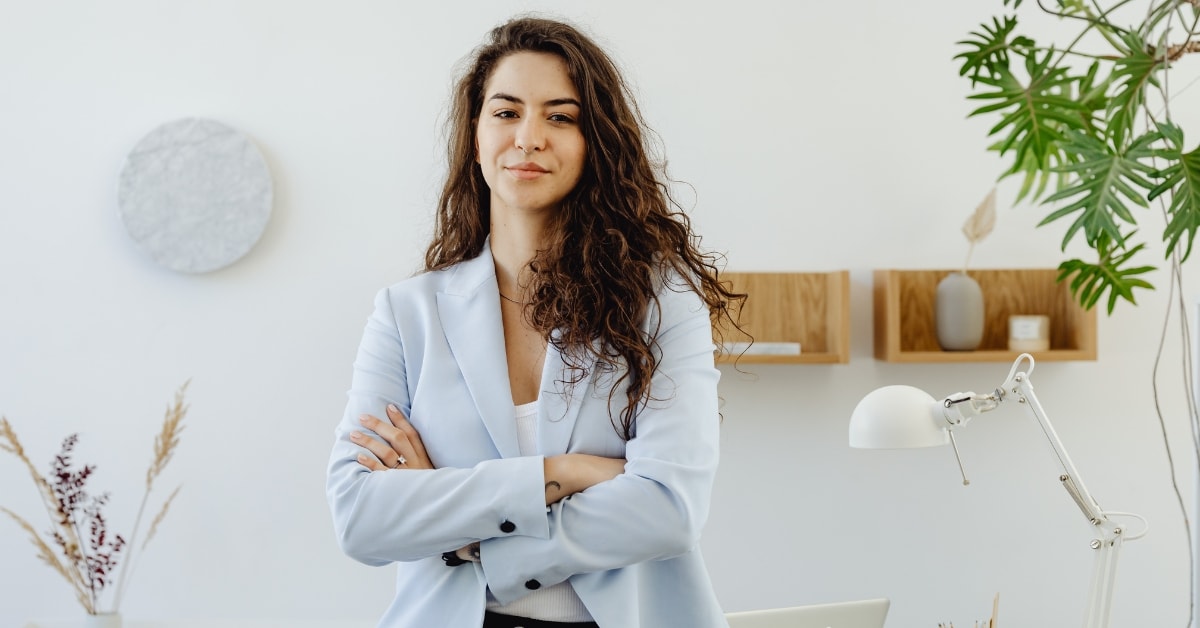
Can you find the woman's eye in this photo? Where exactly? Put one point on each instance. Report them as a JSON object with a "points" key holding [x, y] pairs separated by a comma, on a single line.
{"points": [[505, 113], [561, 117]]}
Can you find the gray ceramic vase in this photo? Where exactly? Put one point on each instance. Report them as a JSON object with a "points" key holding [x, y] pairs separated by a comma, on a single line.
{"points": [[959, 314]]}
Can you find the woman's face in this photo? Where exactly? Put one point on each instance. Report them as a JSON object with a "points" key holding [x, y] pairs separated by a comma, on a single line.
{"points": [[528, 142]]}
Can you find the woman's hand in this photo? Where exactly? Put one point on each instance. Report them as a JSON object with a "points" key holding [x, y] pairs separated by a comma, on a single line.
{"points": [[403, 448]]}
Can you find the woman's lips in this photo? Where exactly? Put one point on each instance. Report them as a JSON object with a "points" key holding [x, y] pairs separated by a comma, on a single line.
{"points": [[526, 171]]}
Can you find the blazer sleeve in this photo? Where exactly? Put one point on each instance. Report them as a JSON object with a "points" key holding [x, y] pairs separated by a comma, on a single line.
{"points": [[658, 507], [406, 515]]}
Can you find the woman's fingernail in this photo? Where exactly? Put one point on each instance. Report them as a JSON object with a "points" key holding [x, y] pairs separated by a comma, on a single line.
{"points": [[355, 436], [393, 408], [364, 419]]}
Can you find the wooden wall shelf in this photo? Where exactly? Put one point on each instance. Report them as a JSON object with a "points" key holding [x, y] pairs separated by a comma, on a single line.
{"points": [[811, 309], [905, 301]]}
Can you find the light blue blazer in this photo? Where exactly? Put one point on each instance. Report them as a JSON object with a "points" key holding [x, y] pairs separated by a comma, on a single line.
{"points": [[434, 346]]}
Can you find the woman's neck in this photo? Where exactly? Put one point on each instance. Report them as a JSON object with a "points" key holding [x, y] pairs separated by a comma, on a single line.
{"points": [[513, 245]]}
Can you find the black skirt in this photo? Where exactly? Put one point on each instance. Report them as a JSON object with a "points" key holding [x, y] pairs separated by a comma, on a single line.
{"points": [[496, 620]]}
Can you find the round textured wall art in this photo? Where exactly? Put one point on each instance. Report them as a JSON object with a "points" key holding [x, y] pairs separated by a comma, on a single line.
{"points": [[195, 195]]}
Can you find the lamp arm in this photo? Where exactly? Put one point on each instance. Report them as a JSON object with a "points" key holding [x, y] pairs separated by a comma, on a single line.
{"points": [[960, 408], [1019, 387], [1108, 547]]}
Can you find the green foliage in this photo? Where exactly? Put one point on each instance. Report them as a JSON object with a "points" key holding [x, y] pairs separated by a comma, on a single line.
{"points": [[1111, 274], [1181, 179], [1036, 114], [1132, 74], [1076, 126], [990, 48], [1103, 185]]}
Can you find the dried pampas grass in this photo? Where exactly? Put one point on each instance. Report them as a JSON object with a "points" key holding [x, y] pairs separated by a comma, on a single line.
{"points": [[168, 438], [979, 224], [46, 555], [80, 548]]}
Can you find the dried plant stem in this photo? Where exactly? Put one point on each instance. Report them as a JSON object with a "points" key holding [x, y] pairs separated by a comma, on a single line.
{"points": [[164, 448], [46, 554], [162, 514], [70, 543], [81, 566], [134, 559]]}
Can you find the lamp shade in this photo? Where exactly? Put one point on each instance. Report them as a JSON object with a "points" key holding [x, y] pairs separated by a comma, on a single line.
{"points": [[895, 417]]}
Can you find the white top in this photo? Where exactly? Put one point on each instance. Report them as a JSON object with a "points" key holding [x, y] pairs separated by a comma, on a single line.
{"points": [[554, 603]]}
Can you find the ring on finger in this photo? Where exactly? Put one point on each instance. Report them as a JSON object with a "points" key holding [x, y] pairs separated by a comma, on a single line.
{"points": [[399, 462]]}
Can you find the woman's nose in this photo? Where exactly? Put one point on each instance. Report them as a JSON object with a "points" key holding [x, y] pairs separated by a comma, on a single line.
{"points": [[530, 137]]}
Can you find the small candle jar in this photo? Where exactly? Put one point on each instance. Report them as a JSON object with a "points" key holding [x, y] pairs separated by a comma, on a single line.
{"points": [[1028, 333]]}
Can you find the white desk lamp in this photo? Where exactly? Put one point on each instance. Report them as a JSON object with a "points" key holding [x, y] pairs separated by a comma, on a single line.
{"points": [[904, 417]]}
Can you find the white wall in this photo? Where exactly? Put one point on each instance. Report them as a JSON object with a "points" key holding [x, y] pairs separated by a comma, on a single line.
{"points": [[817, 136]]}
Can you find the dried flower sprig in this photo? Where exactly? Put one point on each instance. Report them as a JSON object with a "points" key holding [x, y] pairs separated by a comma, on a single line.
{"points": [[81, 549], [980, 224], [164, 447]]}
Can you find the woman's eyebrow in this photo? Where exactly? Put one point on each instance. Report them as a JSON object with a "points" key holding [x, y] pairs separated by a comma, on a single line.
{"points": [[553, 102], [558, 102]]}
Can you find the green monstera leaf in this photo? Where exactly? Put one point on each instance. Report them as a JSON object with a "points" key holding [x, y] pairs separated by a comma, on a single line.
{"points": [[1105, 182], [1181, 178]]}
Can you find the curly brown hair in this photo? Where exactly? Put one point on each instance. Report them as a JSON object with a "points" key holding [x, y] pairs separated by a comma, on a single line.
{"points": [[613, 235]]}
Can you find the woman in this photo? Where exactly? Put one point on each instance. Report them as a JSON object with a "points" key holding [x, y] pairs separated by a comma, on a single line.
{"points": [[532, 426]]}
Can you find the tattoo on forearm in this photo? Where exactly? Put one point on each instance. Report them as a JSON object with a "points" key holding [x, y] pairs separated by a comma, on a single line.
{"points": [[552, 484]]}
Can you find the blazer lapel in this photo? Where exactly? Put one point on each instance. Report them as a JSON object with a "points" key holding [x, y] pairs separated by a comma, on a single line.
{"points": [[469, 310], [559, 401]]}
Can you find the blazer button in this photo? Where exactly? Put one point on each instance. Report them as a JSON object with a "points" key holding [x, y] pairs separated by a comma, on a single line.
{"points": [[533, 585], [507, 527]]}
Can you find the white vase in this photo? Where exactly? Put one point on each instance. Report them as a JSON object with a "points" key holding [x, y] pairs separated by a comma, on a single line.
{"points": [[102, 620], [959, 314]]}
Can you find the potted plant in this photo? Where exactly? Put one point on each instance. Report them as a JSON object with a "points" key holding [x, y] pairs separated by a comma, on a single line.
{"points": [[79, 545], [1087, 124]]}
